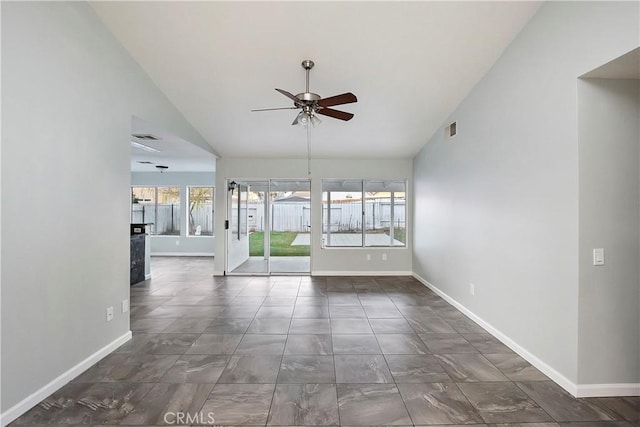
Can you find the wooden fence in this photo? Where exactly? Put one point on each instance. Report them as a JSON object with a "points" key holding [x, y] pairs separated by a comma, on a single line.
{"points": [[169, 219], [344, 216], [294, 216]]}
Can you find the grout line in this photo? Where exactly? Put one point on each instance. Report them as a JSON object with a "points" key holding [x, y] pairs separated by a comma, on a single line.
{"points": [[333, 356], [400, 290]]}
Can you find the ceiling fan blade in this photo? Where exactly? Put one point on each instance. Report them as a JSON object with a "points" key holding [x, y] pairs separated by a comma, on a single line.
{"points": [[336, 114], [272, 109], [289, 95], [345, 98]]}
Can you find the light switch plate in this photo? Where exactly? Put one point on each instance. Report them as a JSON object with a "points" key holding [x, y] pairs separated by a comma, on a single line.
{"points": [[598, 256]]}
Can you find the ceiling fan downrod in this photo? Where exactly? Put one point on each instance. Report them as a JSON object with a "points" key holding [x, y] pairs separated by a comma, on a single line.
{"points": [[307, 64]]}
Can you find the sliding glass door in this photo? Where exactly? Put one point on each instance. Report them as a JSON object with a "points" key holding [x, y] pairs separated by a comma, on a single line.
{"points": [[290, 231], [269, 226], [247, 248]]}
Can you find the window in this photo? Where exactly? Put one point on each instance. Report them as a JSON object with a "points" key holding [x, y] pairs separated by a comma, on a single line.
{"points": [[168, 211], [200, 214], [159, 206], [235, 214], [385, 213], [239, 212], [143, 206], [364, 213], [342, 212]]}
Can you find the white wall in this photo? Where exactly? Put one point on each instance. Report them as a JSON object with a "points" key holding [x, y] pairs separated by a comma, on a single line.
{"points": [[328, 260], [187, 245], [498, 204], [609, 166], [69, 93]]}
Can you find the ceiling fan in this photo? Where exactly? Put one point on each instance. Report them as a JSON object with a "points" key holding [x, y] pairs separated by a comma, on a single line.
{"points": [[311, 104]]}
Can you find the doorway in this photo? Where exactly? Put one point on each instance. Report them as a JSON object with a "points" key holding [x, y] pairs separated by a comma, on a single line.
{"points": [[609, 220], [269, 226]]}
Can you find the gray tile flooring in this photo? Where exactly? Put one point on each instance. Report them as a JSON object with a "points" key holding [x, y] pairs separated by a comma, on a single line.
{"points": [[279, 264], [308, 351]]}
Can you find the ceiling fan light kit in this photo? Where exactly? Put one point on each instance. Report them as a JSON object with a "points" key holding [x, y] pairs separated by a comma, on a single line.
{"points": [[304, 117]]}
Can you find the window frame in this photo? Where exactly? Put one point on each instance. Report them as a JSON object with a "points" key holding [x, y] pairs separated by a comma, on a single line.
{"points": [[327, 204], [155, 207], [237, 213], [154, 225], [179, 222], [187, 216]]}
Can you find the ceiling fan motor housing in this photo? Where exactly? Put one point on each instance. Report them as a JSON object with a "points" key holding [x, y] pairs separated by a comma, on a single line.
{"points": [[308, 98]]}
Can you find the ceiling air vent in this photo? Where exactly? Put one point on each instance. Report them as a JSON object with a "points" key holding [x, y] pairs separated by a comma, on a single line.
{"points": [[452, 130], [145, 136]]}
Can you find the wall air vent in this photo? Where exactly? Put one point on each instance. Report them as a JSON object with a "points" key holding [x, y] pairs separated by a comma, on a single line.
{"points": [[452, 130], [145, 136]]}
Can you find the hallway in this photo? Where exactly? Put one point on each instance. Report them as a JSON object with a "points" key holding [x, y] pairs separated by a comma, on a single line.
{"points": [[300, 350]]}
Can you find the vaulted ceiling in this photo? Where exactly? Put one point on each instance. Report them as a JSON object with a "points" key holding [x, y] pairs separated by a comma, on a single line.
{"points": [[409, 63]]}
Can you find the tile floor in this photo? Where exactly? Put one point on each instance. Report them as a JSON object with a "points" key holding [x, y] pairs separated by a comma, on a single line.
{"points": [[279, 264], [310, 351]]}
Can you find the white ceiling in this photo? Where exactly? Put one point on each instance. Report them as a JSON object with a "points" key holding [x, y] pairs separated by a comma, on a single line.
{"points": [[174, 152], [409, 63]]}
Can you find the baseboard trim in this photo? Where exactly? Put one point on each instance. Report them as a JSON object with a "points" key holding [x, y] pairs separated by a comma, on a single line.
{"points": [[583, 390], [36, 397], [210, 254], [147, 276], [608, 390], [556, 376], [361, 273]]}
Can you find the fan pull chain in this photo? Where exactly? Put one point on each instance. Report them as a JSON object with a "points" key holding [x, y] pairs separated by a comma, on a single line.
{"points": [[309, 148]]}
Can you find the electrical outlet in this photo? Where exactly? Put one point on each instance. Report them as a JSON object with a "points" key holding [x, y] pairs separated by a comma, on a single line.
{"points": [[368, 257], [125, 305], [384, 257], [177, 242], [472, 289], [109, 314]]}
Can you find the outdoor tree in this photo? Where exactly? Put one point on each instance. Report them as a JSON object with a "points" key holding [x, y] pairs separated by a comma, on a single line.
{"points": [[168, 195], [198, 196]]}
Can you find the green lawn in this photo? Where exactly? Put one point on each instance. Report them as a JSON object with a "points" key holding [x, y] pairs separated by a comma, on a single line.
{"points": [[280, 244]]}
